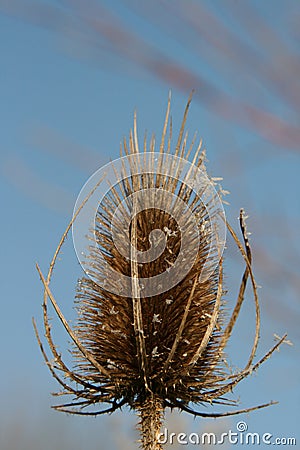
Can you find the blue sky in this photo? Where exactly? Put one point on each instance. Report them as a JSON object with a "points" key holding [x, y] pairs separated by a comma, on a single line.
{"points": [[67, 97]]}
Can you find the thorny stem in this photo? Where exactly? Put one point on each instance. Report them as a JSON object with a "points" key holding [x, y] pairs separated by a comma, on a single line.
{"points": [[151, 413]]}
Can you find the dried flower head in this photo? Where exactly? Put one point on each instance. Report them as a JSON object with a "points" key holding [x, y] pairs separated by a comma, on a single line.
{"points": [[140, 340]]}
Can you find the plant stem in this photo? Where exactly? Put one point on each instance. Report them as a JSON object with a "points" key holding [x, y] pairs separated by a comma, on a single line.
{"points": [[151, 413]]}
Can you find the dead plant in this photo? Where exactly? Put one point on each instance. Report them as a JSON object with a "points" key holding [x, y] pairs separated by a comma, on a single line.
{"points": [[160, 351]]}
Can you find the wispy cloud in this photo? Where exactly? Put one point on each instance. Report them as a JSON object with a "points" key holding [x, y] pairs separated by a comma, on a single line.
{"points": [[267, 58], [53, 142], [45, 193]]}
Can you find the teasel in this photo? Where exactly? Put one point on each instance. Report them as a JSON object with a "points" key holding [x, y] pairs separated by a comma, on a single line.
{"points": [[160, 351]]}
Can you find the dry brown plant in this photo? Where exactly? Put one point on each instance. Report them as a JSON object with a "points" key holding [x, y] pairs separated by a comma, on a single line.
{"points": [[162, 351]]}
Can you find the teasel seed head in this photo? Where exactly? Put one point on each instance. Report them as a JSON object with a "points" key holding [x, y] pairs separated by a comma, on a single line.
{"points": [[151, 334]]}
